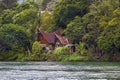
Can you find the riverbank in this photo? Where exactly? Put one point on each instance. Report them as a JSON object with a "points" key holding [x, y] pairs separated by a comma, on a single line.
{"points": [[12, 56]]}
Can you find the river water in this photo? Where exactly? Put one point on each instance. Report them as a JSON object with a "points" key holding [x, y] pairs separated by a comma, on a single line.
{"points": [[59, 71]]}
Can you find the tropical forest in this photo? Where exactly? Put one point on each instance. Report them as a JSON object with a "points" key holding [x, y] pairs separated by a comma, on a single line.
{"points": [[91, 26]]}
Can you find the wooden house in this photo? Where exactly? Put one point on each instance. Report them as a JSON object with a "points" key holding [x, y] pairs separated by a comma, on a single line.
{"points": [[53, 39]]}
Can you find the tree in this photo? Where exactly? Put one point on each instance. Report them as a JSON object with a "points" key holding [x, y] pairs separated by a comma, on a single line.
{"points": [[2, 6], [88, 28], [27, 5], [15, 37], [10, 4], [66, 10], [46, 20], [3, 45], [44, 4], [7, 16], [28, 15], [73, 30], [25, 16], [109, 40]]}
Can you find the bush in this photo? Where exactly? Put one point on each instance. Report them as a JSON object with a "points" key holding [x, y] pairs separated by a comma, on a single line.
{"points": [[70, 57], [36, 48], [12, 56], [81, 48], [61, 50], [76, 57], [35, 57]]}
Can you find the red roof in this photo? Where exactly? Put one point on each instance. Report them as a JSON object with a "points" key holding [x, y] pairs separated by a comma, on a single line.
{"points": [[58, 31], [62, 39], [50, 37]]}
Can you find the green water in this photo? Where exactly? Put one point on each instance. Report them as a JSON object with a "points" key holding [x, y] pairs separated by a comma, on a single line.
{"points": [[59, 70]]}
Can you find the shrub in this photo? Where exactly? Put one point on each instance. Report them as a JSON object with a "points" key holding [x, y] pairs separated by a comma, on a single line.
{"points": [[36, 47], [61, 50], [77, 57], [81, 48]]}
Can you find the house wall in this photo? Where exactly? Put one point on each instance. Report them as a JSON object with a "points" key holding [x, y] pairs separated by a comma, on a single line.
{"points": [[57, 44]]}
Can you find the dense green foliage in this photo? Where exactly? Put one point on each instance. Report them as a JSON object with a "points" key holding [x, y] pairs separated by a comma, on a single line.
{"points": [[66, 10], [61, 50], [17, 27], [36, 48], [92, 25], [8, 4], [44, 4], [46, 21], [15, 36], [98, 29]]}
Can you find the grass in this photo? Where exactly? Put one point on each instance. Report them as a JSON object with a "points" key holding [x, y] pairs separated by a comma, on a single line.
{"points": [[21, 56], [69, 57]]}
